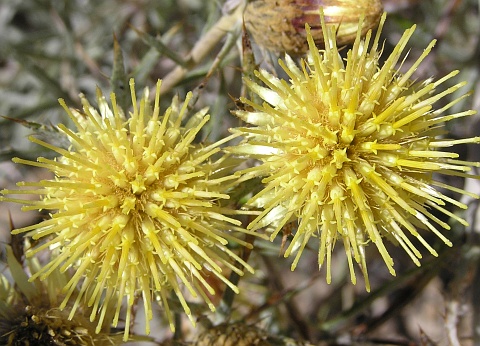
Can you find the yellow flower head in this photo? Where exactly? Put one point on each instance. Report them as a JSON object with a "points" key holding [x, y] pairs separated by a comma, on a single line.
{"points": [[137, 205], [29, 313], [349, 149]]}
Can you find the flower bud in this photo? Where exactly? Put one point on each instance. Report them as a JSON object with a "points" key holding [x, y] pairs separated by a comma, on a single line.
{"points": [[279, 25]]}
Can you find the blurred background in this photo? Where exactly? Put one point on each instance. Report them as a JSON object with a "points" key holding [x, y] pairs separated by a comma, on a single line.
{"points": [[52, 49]]}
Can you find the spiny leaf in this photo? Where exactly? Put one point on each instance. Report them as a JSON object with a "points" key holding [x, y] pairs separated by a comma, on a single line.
{"points": [[49, 132], [21, 279], [118, 82], [160, 46], [249, 65], [32, 125]]}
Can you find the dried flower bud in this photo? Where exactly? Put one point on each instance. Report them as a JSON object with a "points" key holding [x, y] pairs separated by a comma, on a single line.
{"points": [[240, 334], [29, 313], [279, 25], [232, 334]]}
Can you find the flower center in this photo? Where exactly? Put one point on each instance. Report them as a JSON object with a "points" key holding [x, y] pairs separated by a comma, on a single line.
{"points": [[130, 193]]}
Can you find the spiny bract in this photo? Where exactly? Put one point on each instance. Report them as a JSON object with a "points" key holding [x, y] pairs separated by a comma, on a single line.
{"points": [[29, 313]]}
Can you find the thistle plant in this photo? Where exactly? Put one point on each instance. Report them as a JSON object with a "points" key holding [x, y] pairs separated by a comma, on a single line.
{"points": [[151, 211], [353, 149], [137, 208]]}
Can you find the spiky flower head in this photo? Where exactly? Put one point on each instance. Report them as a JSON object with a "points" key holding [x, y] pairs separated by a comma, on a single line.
{"points": [[136, 207], [29, 313], [352, 149]]}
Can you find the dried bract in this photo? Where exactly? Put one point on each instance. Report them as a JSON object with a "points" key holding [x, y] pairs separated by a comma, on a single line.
{"points": [[279, 25]]}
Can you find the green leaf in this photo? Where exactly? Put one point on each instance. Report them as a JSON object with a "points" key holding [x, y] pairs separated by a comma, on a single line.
{"points": [[18, 274], [118, 81]]}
